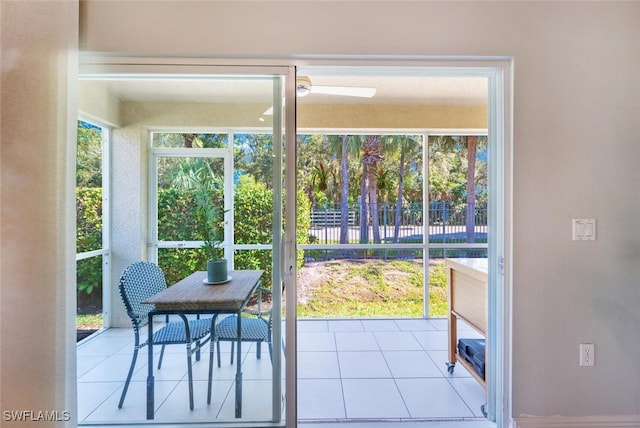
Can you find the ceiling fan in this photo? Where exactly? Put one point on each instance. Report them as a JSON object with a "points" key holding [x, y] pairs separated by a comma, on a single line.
{"points": [[304, 88]]}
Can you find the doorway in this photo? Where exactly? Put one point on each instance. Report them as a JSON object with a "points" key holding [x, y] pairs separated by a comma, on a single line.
{"points": [[175, 140], [497, 124], [351, 121]]}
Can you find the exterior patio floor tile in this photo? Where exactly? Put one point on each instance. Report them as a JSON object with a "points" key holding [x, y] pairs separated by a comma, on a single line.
{"points": [[348, 371]]}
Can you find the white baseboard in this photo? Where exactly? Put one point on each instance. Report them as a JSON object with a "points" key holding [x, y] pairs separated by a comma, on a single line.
{"points": [[614, 421]]}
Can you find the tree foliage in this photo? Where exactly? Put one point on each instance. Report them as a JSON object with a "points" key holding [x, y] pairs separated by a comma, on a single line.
{"points": [[253, 220], [337, 170], [89, 205], [89, 156], [253, 156], [89, 238]]}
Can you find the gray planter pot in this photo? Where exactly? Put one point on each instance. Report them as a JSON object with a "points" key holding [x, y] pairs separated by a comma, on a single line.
{"points": [[217, 271]]}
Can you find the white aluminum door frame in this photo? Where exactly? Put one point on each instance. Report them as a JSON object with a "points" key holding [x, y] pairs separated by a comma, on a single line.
{"points": [[97, 67], [155, 154], [499, 70]]}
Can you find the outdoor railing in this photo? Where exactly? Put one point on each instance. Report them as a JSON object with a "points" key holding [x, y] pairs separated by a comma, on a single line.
{"points": [[447, 224]]}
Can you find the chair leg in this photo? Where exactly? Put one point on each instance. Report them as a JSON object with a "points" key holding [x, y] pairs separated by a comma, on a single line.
{"points": [[258, 350], [211, 370], [161, 355], [190, 375], [233, 345], [218, 349], [126, 383], [212, 338]]}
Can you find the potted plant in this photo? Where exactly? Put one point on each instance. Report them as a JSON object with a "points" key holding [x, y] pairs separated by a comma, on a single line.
{"points": [[211, 229]]}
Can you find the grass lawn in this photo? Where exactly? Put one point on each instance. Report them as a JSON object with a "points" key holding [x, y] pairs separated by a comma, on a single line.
{"points": [[89, 321], [358, 288], [370, 288]]}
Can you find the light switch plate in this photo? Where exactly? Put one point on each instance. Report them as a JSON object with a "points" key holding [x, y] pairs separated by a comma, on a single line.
{"points": [[584, 229]]}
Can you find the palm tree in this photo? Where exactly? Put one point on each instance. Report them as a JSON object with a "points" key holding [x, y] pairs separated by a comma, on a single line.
{"points": [[470, 218], [470, 143], [409, 148], [346, 145], [311, 148], [344, 190], [371, 155]]}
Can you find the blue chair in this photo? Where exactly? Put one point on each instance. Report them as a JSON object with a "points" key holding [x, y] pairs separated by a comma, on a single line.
{"points": [[140, 281], [255, 328]]}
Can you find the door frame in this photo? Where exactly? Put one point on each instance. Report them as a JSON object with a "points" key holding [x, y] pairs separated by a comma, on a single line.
{"points": [[499, 71], [155, 154], [99, 67]]}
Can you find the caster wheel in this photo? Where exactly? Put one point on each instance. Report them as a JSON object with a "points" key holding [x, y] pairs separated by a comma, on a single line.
{"points": [[451, 367]]}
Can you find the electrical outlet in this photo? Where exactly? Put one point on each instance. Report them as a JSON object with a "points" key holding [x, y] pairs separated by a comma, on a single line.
{"points": [[587, 354]]}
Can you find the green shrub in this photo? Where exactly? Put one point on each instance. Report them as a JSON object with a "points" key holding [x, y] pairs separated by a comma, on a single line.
{"points": [[89, 237], [177, 221], [253, 222]]}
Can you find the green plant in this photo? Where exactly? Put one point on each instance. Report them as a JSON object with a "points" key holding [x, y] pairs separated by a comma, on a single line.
{"points": [[89, 238], [210, 224], [322, 175], [89, 321]]}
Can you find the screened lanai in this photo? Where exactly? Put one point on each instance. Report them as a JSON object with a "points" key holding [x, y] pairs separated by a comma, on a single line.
{"points": [[381, 189]]}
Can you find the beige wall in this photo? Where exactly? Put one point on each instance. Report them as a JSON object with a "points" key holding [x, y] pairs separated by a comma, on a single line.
{"points": [[576, 154], [97, 102], [38, 42], [576, 150]]}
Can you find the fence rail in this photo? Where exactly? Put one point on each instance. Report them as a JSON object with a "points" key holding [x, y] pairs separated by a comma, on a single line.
{"points": [[447, 224], [327, 217]]}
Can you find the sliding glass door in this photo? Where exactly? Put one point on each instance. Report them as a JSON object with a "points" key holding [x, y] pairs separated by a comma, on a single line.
{"points": [[180, 134]]}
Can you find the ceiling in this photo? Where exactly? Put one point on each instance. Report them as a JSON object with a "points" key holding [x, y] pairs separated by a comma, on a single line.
{"points": [[425, 90]]}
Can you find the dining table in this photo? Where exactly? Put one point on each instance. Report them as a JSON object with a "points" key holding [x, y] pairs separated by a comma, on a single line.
{"points": [[193, 295]]}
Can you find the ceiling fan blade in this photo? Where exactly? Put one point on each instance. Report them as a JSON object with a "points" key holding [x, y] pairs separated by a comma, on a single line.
{"points": [[349, 91], [304, 87]]}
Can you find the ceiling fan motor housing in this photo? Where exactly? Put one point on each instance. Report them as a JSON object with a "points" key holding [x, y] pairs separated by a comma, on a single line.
{"points": [[303, 86]]}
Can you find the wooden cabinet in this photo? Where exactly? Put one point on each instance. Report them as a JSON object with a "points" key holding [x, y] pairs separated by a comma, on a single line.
{"points": [[467, 285]]}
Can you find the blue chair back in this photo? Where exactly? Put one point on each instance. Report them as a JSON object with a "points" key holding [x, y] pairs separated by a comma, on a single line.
{"points": [[138, 282]]}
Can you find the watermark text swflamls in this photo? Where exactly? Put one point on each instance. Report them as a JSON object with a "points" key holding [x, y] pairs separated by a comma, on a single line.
{"points": [[36, 415]]}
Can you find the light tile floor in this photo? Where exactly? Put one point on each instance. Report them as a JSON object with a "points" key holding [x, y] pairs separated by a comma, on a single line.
{"points": [[348, 370]]}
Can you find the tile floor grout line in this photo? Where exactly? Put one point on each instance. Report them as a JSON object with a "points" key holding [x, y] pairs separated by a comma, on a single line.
{"points": [[344, 398], [372, 329]]}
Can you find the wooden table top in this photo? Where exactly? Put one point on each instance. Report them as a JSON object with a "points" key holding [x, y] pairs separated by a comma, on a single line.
{"points": [[192, 294], [477, 266]]}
